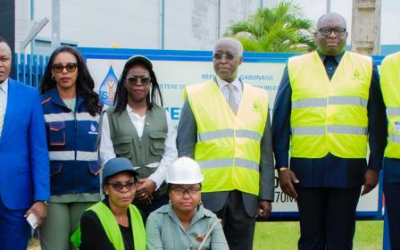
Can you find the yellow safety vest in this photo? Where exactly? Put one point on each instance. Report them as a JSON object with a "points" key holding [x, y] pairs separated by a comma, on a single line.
{"points": [[228, 145], [390, 86], [329, 115], [112, 229]]}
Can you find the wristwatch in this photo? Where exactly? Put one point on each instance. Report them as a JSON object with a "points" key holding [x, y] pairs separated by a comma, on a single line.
{"points": [[281, 169]]}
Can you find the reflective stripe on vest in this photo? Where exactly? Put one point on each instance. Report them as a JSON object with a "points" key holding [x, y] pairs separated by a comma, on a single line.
{"points": [[329, 115], [390, 86], [228, 133], [334, 100], [393, 111], [111, 227], [221, 163], [330, 129], [228, 148]]}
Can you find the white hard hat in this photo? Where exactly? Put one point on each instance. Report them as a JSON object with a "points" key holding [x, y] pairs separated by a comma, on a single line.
{"points": [[184, 171]]}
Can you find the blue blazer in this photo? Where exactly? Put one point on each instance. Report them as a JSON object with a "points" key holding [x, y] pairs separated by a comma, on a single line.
{"points": [[24, 159]]}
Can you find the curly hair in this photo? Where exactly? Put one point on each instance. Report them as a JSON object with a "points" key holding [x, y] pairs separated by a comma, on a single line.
{"points": [[84, 82]]}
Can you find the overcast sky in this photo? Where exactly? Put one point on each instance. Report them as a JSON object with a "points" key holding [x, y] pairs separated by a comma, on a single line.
{"points": [[390, 20]]}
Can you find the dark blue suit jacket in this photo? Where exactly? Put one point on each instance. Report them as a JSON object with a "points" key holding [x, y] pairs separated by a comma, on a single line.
{"points": [[24, 159]]}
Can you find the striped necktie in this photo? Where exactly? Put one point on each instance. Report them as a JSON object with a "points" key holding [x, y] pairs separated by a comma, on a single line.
{"points": [[1, 114]]}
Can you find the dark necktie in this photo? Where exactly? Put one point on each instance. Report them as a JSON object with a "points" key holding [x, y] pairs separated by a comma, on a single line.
{"points": [[330, 66]]}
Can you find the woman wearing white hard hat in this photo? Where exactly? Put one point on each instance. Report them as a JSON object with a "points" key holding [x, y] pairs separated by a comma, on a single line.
{"points": [[184, 223]]}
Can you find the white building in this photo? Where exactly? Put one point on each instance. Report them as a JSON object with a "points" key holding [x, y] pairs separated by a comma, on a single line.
{"points": [[143, 24], [165, 24]]}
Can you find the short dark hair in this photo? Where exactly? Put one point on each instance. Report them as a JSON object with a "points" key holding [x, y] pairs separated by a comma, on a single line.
{"points": [[3, 40]]}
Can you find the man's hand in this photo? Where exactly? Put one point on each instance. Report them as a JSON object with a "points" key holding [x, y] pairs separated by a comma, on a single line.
{"points": [[264, 209], [40, 210], [145, 189], [286, 180], [371, 180]]}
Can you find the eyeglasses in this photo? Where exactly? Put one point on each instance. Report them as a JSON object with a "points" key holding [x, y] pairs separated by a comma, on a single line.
{"points": [[134, 80], [181, 191], [328, 31], [70, 67], [228, 56], [118, 186]]}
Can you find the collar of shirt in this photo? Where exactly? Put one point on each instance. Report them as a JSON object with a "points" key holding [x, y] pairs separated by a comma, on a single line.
{"points": [[337, 57], [221, 84], [4, 86], [201, 212], [134, 115]]}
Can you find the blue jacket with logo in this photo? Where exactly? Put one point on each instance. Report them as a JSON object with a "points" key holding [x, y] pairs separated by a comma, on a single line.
{"points": [[72, 142]]}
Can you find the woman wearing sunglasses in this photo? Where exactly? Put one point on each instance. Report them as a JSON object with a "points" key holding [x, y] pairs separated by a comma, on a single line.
{"points": [[184, 223], [140, 129], [71, 111], [114, 223]]}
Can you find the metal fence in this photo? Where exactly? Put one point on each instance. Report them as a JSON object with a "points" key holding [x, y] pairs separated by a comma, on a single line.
{"points": [[29, 69]]}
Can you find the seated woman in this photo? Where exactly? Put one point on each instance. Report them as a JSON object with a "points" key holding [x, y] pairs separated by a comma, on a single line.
{"points": [[114, 223], [184, 223]]}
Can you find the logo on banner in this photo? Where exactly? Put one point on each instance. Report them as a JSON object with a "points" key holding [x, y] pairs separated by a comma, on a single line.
{"points": [[108, 88]]}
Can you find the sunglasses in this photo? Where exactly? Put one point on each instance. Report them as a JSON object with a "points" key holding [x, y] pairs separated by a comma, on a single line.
{"points": [[181, 191], [134, 80], [328, 31], [118, 186], [70, 67], [228, 56]]}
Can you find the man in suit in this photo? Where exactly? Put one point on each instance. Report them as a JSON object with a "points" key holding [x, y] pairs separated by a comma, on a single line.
{"points": [[225, 126], [24, 162], [328, 106]]}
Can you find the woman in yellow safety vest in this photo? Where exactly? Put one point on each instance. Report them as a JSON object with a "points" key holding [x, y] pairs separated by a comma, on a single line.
{"points": [[114, 223]]}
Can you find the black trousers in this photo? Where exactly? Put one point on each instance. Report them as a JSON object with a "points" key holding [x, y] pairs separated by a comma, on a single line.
{"points": [[392, 203], [327, 218], [238, 226]]}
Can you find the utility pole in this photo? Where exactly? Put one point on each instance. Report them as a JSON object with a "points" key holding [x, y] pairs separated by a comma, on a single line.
{"points": [[366, 26], [55, 24], [328, 6]]}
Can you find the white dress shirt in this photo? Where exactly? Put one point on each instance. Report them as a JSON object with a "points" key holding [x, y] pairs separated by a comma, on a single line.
{"points": [[238, 89], [170, 154], [4, 94], [3, 103]]}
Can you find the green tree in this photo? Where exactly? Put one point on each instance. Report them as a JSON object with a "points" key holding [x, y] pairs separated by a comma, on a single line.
{"points": [[280, 29]]}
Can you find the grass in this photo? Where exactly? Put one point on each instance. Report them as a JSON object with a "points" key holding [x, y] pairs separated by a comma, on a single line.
{"points": [[284, 236]]}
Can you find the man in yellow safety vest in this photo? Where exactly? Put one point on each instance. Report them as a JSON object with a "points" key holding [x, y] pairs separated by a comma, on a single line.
{"points": [[390, 84], [225, 127], [328, 106]]}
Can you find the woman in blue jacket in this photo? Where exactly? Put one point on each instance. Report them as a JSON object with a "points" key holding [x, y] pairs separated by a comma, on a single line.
{"points": [[71, 111]]}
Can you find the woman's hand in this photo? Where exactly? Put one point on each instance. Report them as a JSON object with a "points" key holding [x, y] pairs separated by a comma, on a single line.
{"points": [[145, 190]]}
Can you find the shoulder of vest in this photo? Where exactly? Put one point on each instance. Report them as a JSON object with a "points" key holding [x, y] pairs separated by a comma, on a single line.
{"points": [[157, 108], [300, 58], [358, 56], [110, 110], [255, 89], [198, 86], [395, 57], [46, 100], [97, 207]]}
